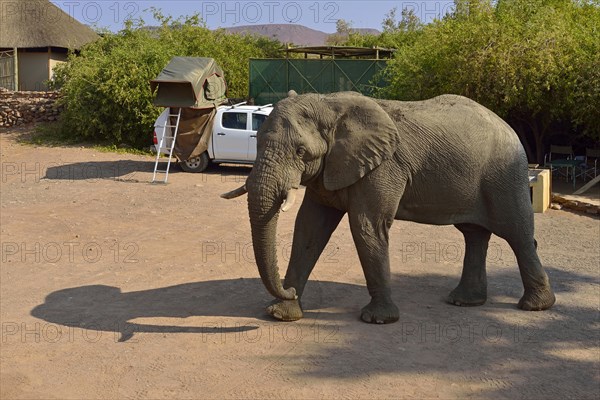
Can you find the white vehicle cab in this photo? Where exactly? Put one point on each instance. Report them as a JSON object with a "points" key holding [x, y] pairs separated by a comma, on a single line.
{"points": [[232, 140]]}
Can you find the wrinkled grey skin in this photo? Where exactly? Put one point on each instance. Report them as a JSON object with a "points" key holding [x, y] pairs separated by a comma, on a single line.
{"points": [[446, 160]]}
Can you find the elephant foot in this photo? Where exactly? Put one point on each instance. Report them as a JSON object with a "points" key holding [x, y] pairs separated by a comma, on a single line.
{"points": [[467, 297], [380, 312], [537, 300], [285, 310]]}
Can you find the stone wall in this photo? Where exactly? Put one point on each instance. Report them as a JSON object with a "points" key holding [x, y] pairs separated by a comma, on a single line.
{"points": [[18, 108]]}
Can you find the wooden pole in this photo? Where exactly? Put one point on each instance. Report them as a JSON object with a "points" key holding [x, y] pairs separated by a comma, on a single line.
{"points": [[49, 65], [16, 72]]}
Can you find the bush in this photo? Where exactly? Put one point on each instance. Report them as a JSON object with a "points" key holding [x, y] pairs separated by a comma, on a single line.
{"points": [[105, 89]]}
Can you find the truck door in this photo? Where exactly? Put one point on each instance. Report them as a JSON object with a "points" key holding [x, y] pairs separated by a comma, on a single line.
{"points": [[257, 120], [231, 136]]}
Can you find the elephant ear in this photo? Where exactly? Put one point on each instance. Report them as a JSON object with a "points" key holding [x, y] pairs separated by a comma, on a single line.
{"points": [[363, 137]]}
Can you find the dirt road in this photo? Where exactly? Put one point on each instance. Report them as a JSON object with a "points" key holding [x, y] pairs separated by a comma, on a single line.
{"points": [[111, 287]]}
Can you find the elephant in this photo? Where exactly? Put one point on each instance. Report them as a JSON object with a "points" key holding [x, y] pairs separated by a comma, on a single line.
{"points": [[441, 161]]}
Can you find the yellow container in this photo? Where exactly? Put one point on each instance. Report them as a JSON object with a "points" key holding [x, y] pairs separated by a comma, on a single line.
{"points": [[539, 181]]}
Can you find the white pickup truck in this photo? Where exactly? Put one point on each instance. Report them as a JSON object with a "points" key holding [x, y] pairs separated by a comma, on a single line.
{"points": [[233, 138]]}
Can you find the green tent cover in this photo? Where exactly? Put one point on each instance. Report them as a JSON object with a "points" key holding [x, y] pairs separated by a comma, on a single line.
{"points": [[195, 82]]}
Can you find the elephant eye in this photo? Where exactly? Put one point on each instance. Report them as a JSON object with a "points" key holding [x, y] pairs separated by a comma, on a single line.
{"points": [[300, 151]]}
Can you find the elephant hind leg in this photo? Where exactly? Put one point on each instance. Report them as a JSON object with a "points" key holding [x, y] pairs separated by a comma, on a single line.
{"points": [[538, 293], [472, 289], [514, 223]]}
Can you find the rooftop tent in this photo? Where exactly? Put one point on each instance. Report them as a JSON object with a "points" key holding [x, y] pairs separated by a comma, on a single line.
{"points": [[195, 82]]}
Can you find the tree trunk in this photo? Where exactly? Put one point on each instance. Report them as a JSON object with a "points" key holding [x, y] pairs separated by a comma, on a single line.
{"points": [[521, 131]]}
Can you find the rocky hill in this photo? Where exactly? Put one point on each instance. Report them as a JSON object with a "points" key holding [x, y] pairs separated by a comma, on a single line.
{"points": [[291, 33]]}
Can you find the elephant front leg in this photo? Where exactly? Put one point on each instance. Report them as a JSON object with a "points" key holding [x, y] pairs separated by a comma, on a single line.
{"points": [[472, 289], [371, 236], [314, 225]]}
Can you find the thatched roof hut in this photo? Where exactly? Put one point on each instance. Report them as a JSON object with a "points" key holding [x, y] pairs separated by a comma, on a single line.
{"points": [[35, 35]]}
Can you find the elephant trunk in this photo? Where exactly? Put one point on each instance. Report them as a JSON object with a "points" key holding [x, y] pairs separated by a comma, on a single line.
{"points": [[264, 202]]}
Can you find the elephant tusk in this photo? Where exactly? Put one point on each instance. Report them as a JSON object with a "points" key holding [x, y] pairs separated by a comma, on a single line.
{"points": [[235, 193], [290, 199]]}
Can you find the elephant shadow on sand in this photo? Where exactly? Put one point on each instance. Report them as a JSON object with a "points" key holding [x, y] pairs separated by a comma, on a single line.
{"points": [[108, 309], [495, 343]]}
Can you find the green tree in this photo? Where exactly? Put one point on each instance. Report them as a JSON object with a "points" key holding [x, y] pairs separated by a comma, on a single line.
{"points": [[396, 34], [409, 21], [584, 77], [534, 62], [342, 32]]}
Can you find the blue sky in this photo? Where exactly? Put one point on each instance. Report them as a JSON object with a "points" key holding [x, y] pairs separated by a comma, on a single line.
{"points": [[321, 15]]}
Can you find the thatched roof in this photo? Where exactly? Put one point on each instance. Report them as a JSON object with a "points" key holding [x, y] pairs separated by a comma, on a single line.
{"points": [[39, 23]]}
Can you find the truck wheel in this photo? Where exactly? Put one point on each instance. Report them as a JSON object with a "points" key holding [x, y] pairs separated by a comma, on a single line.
{"points": [[195, 164]]}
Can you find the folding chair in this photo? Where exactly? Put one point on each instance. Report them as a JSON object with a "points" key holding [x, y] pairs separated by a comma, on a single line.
{"points": [[590, 163]]}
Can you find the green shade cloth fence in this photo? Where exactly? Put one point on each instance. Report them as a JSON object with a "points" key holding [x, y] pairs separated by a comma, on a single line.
{"points": [[271, 79]]}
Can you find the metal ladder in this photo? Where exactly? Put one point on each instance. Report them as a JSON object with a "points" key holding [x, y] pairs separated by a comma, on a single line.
{"points": [[167, 142]]}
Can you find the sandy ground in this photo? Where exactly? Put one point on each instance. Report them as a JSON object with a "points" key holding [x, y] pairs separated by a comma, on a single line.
{"points": [[115, 288]]}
